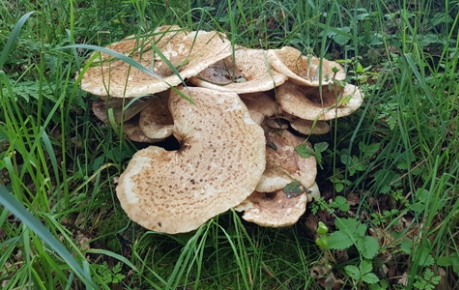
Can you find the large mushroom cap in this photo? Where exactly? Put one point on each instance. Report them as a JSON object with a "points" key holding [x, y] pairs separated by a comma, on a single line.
{"points": [[219, 164], [284, 164], [188, 52], [247, 71], [308, 103], [304, 70]]}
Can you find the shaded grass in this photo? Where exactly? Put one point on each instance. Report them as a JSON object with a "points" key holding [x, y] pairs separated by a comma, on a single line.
{"points": [[60, 163]]}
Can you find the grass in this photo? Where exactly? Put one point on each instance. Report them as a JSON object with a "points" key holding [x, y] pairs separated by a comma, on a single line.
{"points": [[395, 161]]}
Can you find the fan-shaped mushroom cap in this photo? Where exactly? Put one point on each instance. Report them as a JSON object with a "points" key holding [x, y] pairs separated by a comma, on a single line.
{"points": [[155, 119], [189, 52], [260, 105], [283, 164], [248, 71], [220, 163], [122, 110], [306, 103], [273, 209], [304, 70]]}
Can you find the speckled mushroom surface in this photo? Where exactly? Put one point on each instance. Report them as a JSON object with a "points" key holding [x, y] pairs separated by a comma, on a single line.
{"points": [[321, 103], [304, 70], [247, 71], [219, 164], [189, 52], [284, 164], [273, 209]]}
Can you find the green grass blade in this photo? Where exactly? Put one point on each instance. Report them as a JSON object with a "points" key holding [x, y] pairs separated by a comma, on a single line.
{"points": [[11, 204], [13, 38]]}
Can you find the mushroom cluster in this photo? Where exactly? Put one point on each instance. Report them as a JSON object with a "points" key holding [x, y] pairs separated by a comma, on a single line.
{"points": [[238, 115]]}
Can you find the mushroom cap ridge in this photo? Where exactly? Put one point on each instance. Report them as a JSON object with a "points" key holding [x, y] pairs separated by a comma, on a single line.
{"points": [[189, 52], [220, 163]]}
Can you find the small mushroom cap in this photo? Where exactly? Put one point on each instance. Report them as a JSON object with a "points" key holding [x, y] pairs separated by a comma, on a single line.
{"points": [[218, 166], [284, 164], [122, 110], [260, 105], [273, 209], [155, 119], [248, 71], [132, 131], [306, 127], [189, 52], [304, 70], [306, 102]]}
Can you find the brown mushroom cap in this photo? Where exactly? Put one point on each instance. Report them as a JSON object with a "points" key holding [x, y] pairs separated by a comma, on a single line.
{"points": [[220, 163], [304, 70], [247, 71], [306, 127], [132, 131], [307, 103], [273, 209], [260, 105], [283, 164], [189, 52], [277, 209], [155, 119], [122, 110]]}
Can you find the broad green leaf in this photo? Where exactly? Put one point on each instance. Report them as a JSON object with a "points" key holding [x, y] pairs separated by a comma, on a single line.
{"points": [[339, 240], [320, 147], [348, 225], [304, 150], [368, 247], [353, 272], [370, 278], [365, 267]]}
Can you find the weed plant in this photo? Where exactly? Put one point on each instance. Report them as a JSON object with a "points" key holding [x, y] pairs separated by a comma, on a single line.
{"points": [[389, 176]]}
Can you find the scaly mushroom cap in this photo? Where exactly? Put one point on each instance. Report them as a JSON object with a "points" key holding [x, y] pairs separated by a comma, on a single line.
{"points": [[122, 110], [155, 119], [248, 71], [283, 164], [273, 209], [189, 52], [307, 103], [304, 70], [260, 106], [220, 163], [277, 209]]}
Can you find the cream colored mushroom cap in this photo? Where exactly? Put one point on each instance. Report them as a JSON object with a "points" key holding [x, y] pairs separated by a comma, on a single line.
{"points": [[155, 119], [189, 52], [304, 70], [248, 71], [273, 209], [218, 166], [260, 105], [305, 102], [284, 164]]}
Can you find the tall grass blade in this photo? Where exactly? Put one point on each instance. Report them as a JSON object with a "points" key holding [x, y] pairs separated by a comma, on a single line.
{"points": [[11, 204], [13, 38]]}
